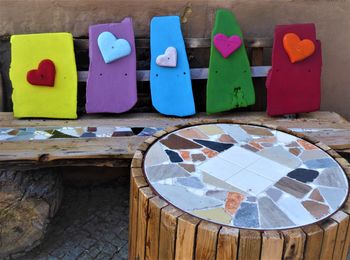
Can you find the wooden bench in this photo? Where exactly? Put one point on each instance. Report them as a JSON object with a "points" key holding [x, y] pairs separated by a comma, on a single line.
{"points": [[34, 157]]}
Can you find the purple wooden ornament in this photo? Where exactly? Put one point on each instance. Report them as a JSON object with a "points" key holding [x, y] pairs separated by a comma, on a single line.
{"points": [[111, 88]]}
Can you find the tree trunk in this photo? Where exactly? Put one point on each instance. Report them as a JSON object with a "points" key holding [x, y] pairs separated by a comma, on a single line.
{"points": [[28, 199]]}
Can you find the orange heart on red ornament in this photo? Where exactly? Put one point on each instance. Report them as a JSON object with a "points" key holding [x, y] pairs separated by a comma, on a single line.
{"points": [[296, 48]]}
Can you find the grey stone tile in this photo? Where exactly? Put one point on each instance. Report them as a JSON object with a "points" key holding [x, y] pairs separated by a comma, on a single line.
{"points": [[333, 177], [280, 155], [247, 216], [161, 172]]}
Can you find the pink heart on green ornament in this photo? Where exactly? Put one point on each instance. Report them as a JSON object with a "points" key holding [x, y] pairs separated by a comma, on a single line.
{"points": [[227, 45]]}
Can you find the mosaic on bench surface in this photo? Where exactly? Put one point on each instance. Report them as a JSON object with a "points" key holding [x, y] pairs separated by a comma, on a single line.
{"points": [[246, 176]]}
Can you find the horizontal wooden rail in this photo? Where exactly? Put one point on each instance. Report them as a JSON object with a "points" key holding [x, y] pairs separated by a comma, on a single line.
{"points": [[199, 73]]}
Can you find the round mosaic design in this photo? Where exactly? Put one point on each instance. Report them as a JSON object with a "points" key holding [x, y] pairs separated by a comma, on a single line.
{"points": [[246, 176]]}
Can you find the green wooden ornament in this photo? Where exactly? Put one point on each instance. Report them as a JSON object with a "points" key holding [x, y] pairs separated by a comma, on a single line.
{"points": [[230, 82]]}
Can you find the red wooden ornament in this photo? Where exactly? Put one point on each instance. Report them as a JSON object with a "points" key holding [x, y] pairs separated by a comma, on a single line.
{"points": [[44, 75]]}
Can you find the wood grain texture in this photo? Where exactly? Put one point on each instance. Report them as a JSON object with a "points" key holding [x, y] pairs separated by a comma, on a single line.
{"points": [[249, 245], [314, 237], [167, 237], [186, 237], [207, 236], [227, 243], [294, 242], [343, 222], [272, 245], [346, 248], [136, 182], [330, 228], [2, 98], [152, 240], [145, 194]]}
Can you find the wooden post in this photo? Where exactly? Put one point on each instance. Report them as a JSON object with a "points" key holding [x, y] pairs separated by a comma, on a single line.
{"points": [[330, 228], [207, 235], [314, 237], [272, 245], [249, 245], [227, 243]]}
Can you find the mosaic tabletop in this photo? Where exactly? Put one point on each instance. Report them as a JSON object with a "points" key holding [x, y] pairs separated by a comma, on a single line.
{"points": [[245, 176]]}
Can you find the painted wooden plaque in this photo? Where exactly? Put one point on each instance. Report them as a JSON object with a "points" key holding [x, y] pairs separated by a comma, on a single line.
{"points": [[44, 75], [230, 83], [171, 87], [294, 87], [111, 84]]}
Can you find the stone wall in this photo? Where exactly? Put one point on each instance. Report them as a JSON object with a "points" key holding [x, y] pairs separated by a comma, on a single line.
{"points": [[257, 18]]}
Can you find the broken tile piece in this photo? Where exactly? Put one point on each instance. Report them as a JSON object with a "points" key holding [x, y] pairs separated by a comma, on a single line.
{"points": [[225, 138], [255, 130], [211, 129], [333, 196], [295, 188], [217, 194], [209, 153], [233, 202], [274, 194], [173, 156], [198, 157], [292, 144], [256, 145], [185, 155], [280, 155], [192, 133], [236, 132], [251, 199], [247, 216], [312, 154], [156, 155], [306, 145], [316, 209], [192, 182], [165, 171], [211, 180], [272, 216], [249, 148], [303, 175], [271, 140], [316, 195], [333, 177], [219, 147], [182, 198], [188, 167], [294, 151], [217, 214], [321, 163], [177, 142]]}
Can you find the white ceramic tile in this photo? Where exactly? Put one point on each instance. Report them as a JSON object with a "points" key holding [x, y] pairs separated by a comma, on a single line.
{"points": [[269, 169], [285, 138], [294, 210], [236, 132], [250, 182], [219, 168], [240, 156]]}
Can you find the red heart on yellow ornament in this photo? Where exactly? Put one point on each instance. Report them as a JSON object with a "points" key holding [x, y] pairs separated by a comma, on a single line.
{"points": [[297, 49]]}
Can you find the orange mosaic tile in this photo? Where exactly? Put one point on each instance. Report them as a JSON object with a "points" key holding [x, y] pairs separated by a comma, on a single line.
{"points": [[209, 153], [306, 145], [256, 145], [227, 139], [266, 140], [185, 155], [233, 201]]}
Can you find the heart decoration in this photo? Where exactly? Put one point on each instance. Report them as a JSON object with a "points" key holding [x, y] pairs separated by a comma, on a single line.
{"points": [[227, 45], [297, 49], [168, 59], [44, 75], [112, 48]]}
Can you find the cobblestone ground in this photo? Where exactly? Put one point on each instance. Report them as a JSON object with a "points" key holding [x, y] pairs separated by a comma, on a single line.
{"points": [[92, 223]]}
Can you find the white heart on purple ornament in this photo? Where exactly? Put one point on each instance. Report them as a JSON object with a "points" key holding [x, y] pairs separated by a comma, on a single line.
{"points": [[168, 59]]}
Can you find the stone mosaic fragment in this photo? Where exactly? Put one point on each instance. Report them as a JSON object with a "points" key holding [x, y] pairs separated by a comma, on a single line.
{"points": [[233, 202], [173, 156], [211, 180], [332, 177], [280, 155], [185, 155], [217, 214], [211, 129], [219, 147], [184, 199], [198, 157], [209, 153], [303, 175], [188, 167], [256, 145], [316, 195], [307, 155], [272, 216], [333, 196], [225, 138], [274, 194], [271, 140], [192, 182], [192, 133], [236, 132], [316, 209], [250, 148], [156, 155], [177, 142], [247, 216], [321, 163], [294, 151], [295, 188], [293, 144], [217, 194], [306, 145], [165, 171], [260, 131]]}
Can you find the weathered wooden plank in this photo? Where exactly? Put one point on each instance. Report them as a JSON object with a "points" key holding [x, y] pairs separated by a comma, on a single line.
{"points": [[330, 228], [343, 222], [345, 251], [152, 241], [2, 95], [249, 245], [314, 237], [207, 234], [227, 243], [145, 194], [294, 243], [272, 245], [186, 237], [167, 236], [136, 183]]}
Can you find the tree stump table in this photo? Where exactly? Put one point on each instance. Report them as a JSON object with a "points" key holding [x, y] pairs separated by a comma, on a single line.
{"points": [[227, 190]]}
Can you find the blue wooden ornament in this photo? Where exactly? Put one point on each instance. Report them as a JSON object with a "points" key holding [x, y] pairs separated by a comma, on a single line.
{"points": [[171, 87], [112, 48]]}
